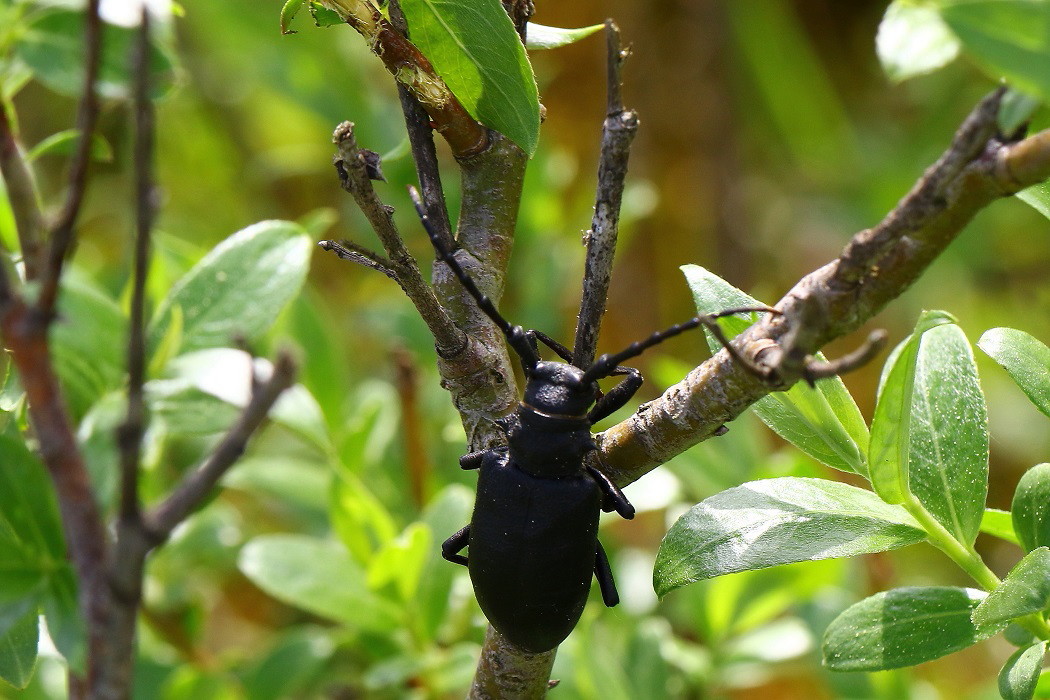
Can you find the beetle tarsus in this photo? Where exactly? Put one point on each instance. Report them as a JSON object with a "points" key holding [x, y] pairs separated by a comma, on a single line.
{"points": [[472, 460], [451, 548], [613, 496]]}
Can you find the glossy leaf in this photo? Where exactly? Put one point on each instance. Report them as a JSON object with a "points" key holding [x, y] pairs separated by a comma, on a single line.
{"points": [[888, 454], [912, 40], [825, 422], [1025, 590], [1031, 508], [1020, 674], [53, 47], [475, 49], [949, 433], [237, 290], [18, 648], [778, 521], [1024, 358], [999, 523], [538, 36], [1008, 38], [317, 576], [903, 627]]}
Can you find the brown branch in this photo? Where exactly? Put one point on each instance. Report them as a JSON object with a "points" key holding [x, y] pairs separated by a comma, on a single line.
{"points": [[131, 431], [87, 116], [876, 266], [618, 132], [360, 255], [354, 178], [197, 484], [412, 69], [21, 193], [421, 138], [520, 11]]}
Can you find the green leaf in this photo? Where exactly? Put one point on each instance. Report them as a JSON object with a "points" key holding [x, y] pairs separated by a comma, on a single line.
{"points": [[538, 36], [1038, 197], [474, 48], [888, 454], [999, 523], [1024, 358], [323, 17], [28, 509], [400, 561], [64, 143], [288, 12], [18, 650], [1008, 38], [359, 518], [903, 627], [912, 40], [88, 343], [319, 577], [446, 513], [1025, 590], [62, 614], [778, 521], [1031, 508], [1020, 674], [237, 290], [825, 422], [1015, 110], [206, 386], [949, 433], [53, 47]]}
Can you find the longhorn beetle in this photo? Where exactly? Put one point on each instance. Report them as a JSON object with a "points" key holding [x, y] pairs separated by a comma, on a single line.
{"points": [[533, 538]]}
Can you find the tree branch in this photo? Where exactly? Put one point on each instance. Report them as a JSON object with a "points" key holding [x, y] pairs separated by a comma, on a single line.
{"points": [[354, 178], [22, 194], [421, 137], [360, 255], [412, 69], [618, 132], [197, 484], [87, 116], [876, 266]]}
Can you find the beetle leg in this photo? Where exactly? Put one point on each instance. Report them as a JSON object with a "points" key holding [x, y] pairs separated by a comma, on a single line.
{"points": [[618, 396], [563, 352], [451, 548], [603, 572], [472, 460], [613, 496]]}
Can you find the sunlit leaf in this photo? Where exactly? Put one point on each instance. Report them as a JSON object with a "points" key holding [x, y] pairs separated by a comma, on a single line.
{"points": [[825, 422], [999, 523], [288, 12], [538, 36], [1008, 38], [778, 521], [475, 49], [317, 576], [1031, 508], [888, 454], [64, 143], [913, 39], [903, 627], [1025, 590], [1025, 359], [1038, 197], [1018, 677], [237, 290]]}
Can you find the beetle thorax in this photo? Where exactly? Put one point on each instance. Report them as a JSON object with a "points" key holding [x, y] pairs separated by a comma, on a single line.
{"points": [[557, 389]]}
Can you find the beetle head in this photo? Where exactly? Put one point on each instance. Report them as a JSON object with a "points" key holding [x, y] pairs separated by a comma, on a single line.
{"points": [[557, 388]]}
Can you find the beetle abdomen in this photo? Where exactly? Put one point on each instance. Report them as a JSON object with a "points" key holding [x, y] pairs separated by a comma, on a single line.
{"points": [[531, 551]]}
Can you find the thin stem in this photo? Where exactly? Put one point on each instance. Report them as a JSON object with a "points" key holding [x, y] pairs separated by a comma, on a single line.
{"points": [[130, 434], [354, 179], [21, 193], [618, 132], [87, 116], [198, 483]]}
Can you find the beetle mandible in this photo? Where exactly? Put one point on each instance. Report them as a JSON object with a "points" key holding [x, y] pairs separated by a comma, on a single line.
{"points": [[533, 537]]}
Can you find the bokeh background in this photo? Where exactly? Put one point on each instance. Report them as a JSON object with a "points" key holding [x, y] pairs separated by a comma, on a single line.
{"points": [[769, 135]]}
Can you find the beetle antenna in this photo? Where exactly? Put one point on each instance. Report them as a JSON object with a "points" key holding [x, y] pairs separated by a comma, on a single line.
{"points": [[515, 335], [606, 364]]}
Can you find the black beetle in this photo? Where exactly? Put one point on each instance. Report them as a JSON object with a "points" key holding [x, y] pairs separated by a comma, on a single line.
{"points": [[533, 537]]}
